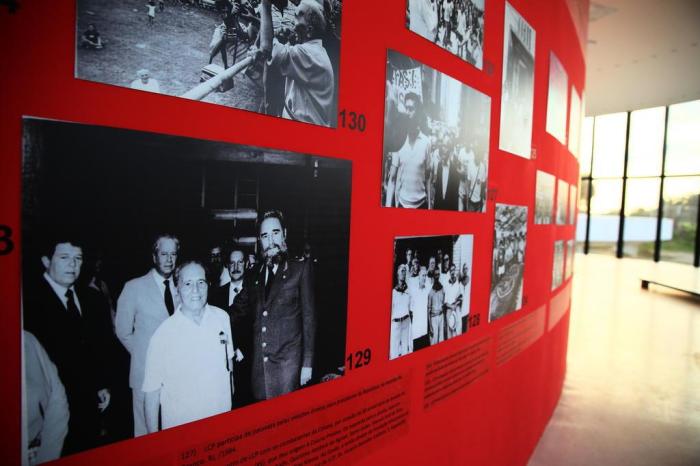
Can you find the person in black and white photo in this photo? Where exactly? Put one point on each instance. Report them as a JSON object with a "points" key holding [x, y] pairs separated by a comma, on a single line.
{"points": [[544, 198], [401, 342], [419, 309], [558, 265], [430, 120]]}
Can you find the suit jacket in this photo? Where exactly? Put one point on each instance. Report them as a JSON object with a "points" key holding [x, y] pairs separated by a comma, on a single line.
{"points": [[284, 327], [140, 311], [82, 348], [450, 200]]}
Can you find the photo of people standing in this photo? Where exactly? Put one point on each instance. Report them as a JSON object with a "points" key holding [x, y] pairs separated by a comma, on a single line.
{"points": [[276, 57], [436, 139], [194, 292], [508, 260], [431, 294], [454, 25]]}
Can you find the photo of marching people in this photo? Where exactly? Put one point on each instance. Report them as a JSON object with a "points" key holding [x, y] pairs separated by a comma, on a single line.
{"points": [[436, 139], [455, 25], [430, 298], [169, 279], [276, 57], [544, 198], [508, 260], [518, 87], [558, 265]]}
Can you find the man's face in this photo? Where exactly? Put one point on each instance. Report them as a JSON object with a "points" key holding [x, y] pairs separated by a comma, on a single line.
{"points": [[144, 78], [215, 256], [401, 274], [192, 287], [272, 237], [409, 256], [301, 25], [465, 270], [431, 263], [410, 105], [165, 256], [422, 277], [415, 267], [236, 265], [446, 261], [453, 272], [64, 266]]}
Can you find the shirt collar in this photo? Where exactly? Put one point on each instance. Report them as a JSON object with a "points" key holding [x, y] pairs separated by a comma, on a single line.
{"points": [[59, 289]]}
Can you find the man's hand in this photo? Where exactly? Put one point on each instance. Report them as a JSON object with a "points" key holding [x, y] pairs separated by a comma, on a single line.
{"points": [[305, 376], [239, 355], [104, 397]]}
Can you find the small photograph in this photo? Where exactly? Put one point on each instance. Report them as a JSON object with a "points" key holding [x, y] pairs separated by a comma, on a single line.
{"points": [[573, 198], [518, 91], [508, 260], [171, 279], [575, 119], [558, 265], [544, 198], [562, 202], [218, 51], [570, 251], [430, 298], [455, 25], [436, 139], [557, 99]]}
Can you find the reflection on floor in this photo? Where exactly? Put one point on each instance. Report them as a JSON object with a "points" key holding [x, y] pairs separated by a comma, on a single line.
{"points": [[632, 390]]}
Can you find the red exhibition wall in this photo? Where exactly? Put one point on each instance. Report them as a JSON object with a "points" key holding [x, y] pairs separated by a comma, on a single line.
{"points": [[484, 397]]}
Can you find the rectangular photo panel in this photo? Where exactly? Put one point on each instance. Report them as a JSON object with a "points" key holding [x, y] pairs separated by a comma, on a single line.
{"points": [[454, 25], [573, 199], [562, 202], [518, 89], [508, 260], [557, 99], [544, 198], [436, 139], [558, 264], [570, 251], [171, 278], [575, 118], [203, 50], [430, 298]]}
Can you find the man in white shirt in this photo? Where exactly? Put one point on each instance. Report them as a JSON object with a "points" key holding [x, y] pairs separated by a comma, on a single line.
{"points": [[144, 82], [189, 359], [419, 310], [453, 293], [401, 341], [477, 185], [466, 290]]}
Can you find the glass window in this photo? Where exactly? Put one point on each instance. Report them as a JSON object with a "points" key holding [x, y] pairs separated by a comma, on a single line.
{"points": [[683, 139], [680, 216], [646, 144], [606, 199], [586, 151], [641, 212], [609, 145]]}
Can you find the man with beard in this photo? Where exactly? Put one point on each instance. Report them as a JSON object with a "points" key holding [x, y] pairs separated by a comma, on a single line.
{"points": [[410, 172], [278, 295]]}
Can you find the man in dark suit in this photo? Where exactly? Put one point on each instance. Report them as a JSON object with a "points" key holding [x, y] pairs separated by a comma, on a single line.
{"points": [[241, 326], [446, 180], [279, 297], [73, 325]]}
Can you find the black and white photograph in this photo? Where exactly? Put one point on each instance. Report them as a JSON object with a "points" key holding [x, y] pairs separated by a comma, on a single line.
{"points": [[436, 139], [573, 198], [557, 99], [544, 198], [275, 57], [508, 260], [570, 251], [562, 202], [431, 291], [455, 25], [558, 265], [518, 90], [575, 120], [169, 279]]}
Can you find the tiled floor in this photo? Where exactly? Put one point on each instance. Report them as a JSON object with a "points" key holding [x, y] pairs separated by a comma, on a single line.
{"points": [[632, 390]]}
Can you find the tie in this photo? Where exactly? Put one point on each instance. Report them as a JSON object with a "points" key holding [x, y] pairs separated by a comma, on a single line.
{"points": [[268, 282], [70, 304], [168, 298]]}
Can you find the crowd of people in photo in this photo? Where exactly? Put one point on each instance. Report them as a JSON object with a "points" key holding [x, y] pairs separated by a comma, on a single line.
{"points": [[200, 336], [509, 249], [429, 302], [455, 25]]}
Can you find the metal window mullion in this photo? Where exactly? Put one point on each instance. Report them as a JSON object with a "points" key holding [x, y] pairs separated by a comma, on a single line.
{"points": [[660, 215], [586, 241], [621, 227]]}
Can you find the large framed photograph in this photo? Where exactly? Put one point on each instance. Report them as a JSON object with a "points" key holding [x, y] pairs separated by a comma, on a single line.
{"points": [[558, 265], [454, 25], [557, 99], [431, 291], [508, 260], [518, 89], [544, 198], [213, 51], [436, 139], [168, 279]]}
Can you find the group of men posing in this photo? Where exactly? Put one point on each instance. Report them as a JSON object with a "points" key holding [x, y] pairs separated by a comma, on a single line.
{"points": [[196, 350], [432, 171], [429, 304]]}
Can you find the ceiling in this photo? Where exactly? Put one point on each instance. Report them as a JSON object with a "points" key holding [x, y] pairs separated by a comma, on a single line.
{"points": [[642, 53]]}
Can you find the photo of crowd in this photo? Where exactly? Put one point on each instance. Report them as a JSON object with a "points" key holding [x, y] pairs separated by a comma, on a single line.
{"points": [[544, 198], [430, 298], [436, 139], [454, 25], [195, 291], [276, 57], [508, 260], [558, 265]]}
